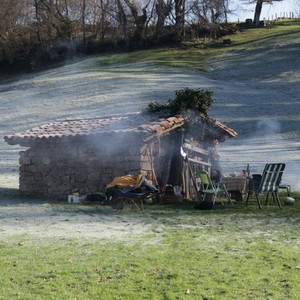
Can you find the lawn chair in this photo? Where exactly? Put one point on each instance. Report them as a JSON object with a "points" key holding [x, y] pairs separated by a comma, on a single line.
{"points": [[267, 183], [211, 188]]}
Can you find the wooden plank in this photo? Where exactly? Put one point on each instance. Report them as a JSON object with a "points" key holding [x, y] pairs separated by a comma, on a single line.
{"points": [[199, 162], [195, 149]]}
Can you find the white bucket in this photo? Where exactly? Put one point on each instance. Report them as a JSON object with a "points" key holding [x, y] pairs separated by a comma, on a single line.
{"points": [[74, 199]]}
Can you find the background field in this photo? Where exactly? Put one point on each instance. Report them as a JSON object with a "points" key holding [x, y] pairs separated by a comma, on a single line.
{"points": [[255, 83], [54, 250]]}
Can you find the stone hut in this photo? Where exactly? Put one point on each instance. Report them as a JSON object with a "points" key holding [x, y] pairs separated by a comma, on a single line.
{"points": [[84, 155]]}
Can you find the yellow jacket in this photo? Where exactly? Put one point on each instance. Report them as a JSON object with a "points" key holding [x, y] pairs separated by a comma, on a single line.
{"points": [[126, 180]]}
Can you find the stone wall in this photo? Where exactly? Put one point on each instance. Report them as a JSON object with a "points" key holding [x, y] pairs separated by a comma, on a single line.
{"points": [[60, 169]]}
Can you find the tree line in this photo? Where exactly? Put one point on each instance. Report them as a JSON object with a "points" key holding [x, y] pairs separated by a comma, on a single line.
{"points": [[41, 30]]}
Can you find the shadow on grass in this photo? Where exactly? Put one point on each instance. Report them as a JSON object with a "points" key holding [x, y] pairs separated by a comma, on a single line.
{"points": [[14, 196]]}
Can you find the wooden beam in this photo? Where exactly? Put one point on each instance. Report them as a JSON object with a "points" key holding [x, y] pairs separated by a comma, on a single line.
{"points": [[200, 162], [195, 149]]}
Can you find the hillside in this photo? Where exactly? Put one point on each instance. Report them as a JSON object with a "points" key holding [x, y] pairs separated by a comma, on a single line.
{"points": [[256, 87]]}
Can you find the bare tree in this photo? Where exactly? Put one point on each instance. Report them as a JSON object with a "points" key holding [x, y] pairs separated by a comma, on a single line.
{"points": [[180, 17], [258, 8], [28, 25], [163, 10], [122, 22], [12, 32], [140, 20], [212, 11], [104, 5], [83, 21], [61, 17]]}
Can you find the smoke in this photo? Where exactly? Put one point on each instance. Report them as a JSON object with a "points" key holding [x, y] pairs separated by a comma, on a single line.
{"points": [[60, 51], [267, 127], [267, 144]]}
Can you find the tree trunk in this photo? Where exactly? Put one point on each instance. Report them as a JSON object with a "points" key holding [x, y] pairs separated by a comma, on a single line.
{"points": [[102, 22], [163, 10], [179, 17], [83, 23], [258, 9], [140, 21], [123, 23]]}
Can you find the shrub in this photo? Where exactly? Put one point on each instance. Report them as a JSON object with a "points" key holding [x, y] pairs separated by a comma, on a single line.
{"points": [[187, 101]]}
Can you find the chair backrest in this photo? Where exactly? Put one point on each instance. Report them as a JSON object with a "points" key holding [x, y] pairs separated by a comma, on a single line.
{"points": [[205, 178], [271, 177]]}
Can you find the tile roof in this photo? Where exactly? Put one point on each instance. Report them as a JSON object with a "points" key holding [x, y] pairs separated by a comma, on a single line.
{"points": [[220, 126], [129, 123], [136, 123]]}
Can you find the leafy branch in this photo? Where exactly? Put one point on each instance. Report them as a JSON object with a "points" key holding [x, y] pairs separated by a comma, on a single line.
{"points": [[187, 102]]}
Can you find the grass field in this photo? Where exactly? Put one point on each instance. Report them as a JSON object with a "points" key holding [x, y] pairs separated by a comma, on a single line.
{"points": [[225, 253], [53, 250]]}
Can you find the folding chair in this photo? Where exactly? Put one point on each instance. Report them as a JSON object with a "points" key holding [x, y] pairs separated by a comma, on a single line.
{"points": [[287, 187], [214, 189], [268, 184]]}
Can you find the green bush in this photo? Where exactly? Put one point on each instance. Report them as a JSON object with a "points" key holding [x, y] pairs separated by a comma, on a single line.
{"points": [[187, 101]]}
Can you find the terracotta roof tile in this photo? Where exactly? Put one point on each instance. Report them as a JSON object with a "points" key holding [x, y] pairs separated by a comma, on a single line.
{"points": [[135, 123], [166, 124], [220, 126], [176, 119], [156, 127]]}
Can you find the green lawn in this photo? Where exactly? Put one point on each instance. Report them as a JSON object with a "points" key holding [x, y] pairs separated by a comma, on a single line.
{"points": [[225, 253]]}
